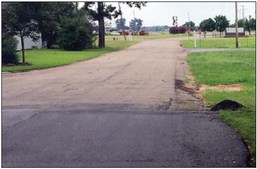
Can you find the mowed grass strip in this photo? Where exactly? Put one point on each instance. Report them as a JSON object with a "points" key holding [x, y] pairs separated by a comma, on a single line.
{"points": [[245, 42], [230, 67], [47, 58]]}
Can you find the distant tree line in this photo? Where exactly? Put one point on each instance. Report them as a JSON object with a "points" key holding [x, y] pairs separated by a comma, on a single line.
{"points": [[219, 23], [134, 24], [247, 24]]}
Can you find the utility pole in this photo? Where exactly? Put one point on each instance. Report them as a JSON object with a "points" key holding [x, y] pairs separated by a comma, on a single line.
{"points": [[134, 20], [236, 26], [123, 31], [189, 25], [243, 12]]}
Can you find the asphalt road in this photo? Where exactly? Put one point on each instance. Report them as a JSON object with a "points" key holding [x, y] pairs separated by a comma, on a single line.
{"points": [[123, 109]]}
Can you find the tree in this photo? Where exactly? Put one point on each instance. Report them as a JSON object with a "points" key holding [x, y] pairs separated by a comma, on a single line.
{"points": [[120, 23], [135, 24], [241, 23], [221, 23], [207, 25], [252, 23], [190, 25], [9, 53], [49, 16], [249, 25], [75, 34], [105, 11], [18, 19]]}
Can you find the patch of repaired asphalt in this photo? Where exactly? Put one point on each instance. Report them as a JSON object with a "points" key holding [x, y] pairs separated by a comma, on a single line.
{"points": [[66, 137]]}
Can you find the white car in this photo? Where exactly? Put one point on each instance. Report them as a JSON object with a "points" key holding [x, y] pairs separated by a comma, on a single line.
{"points": [[114, 33]]}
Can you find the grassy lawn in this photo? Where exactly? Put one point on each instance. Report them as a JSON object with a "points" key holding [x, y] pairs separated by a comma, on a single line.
{"points": [[245, 42], [46, 58], [230, 67]]}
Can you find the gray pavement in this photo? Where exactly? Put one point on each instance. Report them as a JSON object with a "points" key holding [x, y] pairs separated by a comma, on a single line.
{"points": [[124, 109], [114, 138], [218, 49]]}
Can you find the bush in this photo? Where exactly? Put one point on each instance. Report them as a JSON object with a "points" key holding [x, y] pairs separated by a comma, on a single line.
{"points": [[176, 30], [75, 35], [9, 53]]}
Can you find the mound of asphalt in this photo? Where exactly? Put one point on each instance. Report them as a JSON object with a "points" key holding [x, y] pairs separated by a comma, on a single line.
{"points": [[227, 105]]}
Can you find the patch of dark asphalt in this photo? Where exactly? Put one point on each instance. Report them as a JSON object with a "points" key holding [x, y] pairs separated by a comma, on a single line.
{"points": [[72, 137]]}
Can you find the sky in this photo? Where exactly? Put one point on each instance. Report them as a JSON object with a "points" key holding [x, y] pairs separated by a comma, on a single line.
{"points": [[160, 13]]}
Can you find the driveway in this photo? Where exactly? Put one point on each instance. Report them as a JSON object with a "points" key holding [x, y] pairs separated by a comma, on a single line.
{"points": [[123, 109]]}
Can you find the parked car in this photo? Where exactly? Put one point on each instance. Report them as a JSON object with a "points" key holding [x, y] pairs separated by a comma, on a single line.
{"points": [[143, 32], [126, 32], [114, 33]]}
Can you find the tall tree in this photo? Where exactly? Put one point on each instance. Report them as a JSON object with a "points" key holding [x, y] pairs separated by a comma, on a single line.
{"points": [[49, 17], [207, 25], [135, 24], [106, 11], [19, 19], [221, 22], [190, 25], [136, 4], [103, 11], [120, 23], [248, 25], [252, 23], [241, 22]]}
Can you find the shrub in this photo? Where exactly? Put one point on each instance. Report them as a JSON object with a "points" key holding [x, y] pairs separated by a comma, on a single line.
{"points": [[176, 30], [9, 53], [75, 35]]}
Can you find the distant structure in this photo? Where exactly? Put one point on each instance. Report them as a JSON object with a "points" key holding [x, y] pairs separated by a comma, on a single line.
{"points": [[29, 43], [231, 32]]}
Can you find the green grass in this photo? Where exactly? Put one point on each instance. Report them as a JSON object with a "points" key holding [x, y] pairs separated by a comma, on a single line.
{"points": [[245, 42], [47, 58], [230, 67]]}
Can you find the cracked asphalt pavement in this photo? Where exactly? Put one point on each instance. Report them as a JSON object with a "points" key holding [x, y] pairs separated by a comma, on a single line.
{"points": [[122, 109]]}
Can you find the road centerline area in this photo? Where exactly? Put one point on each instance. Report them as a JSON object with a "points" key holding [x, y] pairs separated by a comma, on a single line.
{"points": [[118, 112]]}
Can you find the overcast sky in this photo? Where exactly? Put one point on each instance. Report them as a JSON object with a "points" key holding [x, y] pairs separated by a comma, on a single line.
{"points": [[160, 13]]}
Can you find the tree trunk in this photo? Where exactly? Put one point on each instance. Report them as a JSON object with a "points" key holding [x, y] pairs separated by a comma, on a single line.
{"points": [[22, 48], [77, 6], [101, 31]]}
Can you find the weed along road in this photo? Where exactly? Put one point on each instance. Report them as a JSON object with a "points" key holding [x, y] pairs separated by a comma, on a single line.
{"points": [[123, 109]]}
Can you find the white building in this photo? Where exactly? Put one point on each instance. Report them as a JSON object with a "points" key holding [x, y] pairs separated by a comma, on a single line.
{"points": [[29, 43]]}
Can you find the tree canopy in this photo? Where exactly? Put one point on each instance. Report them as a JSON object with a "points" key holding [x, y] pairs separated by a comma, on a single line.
{"points": [[120, 23], [106, 11], [207, 25], [50, 16], [135, 24], [221, 23], [190, 25], [19, 19]]}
